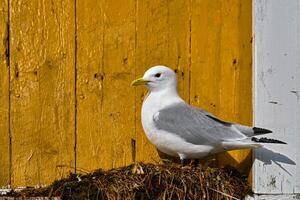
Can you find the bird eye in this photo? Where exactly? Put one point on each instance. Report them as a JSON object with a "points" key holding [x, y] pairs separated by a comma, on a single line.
{"points": [[157, 75]]}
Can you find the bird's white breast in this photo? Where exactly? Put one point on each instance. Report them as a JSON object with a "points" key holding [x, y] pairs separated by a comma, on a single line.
{"points": [[150, 110]]}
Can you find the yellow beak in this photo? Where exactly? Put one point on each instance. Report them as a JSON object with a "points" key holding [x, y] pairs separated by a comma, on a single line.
{"points": [[139, 81]]}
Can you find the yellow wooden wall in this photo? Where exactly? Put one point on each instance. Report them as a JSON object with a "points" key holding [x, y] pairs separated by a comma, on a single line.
{"points": [[4, 96], [66, 68]]}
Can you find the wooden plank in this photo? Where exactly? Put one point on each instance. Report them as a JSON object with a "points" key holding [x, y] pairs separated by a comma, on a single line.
{"points": [[236, 70], [4, 95], [276, 99], [162, 38], [205, 52], [106, 49], [118, 61], [221, 60], [91, 137], [42, 90], [179, 44]]}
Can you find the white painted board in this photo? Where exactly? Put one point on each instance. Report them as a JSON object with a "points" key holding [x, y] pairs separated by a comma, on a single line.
{"points": [[276, 28]]}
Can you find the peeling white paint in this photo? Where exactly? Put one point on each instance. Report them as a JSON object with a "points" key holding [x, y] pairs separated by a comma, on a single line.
{"points": [[277, 97]]}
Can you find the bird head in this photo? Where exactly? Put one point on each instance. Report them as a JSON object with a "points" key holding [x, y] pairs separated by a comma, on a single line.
{"points": [[158, 78]]}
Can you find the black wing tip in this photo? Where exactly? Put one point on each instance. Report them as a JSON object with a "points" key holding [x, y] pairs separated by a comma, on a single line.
{"points": [[258, 131], [267, 140]]}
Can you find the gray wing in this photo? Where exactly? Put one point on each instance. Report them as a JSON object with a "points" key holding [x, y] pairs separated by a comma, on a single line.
{"points": [[194, 125]]}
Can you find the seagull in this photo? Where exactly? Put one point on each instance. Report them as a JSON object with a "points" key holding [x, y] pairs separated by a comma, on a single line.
{"points": [[181, 130]]}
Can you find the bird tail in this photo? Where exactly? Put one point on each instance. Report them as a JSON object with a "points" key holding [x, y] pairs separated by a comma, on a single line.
{"points": [[254, 131], [267, 140]]}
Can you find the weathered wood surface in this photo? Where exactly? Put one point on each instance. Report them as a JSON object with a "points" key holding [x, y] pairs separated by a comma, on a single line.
{"points": [[4, 95], [221, 65], [42, 85], [71, 68], [106, 102], [277, 95]]}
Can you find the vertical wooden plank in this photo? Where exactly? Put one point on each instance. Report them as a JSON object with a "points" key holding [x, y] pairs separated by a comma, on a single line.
{"points": [[236, 70], [42, 90], [118, 61], [205, 52], [4, 95], [221, 58], [106, 45], [277, 96], [163, 37], [118, 71], [244, 84], [93, 143], [179, 43]]}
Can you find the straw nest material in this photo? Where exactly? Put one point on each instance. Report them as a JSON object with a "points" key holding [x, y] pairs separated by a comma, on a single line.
{"points": [[148, 181]]}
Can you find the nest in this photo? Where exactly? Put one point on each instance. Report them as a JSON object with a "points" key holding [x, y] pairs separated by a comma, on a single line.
{"points": [[147, 181]]}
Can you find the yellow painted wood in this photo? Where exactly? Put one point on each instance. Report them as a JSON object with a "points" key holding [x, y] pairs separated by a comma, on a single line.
{"points": [[91, 52], [179, 43], [4, 94], [118, 61], [221, 65], [42, 90], [106, 49], [92, 147]]}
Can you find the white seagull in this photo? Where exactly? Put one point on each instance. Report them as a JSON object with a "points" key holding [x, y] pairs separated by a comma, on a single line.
{"points": [[181, 130]]}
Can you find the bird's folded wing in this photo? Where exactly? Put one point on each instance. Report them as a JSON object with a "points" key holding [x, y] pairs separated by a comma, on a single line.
{"points": [[194, 125]]}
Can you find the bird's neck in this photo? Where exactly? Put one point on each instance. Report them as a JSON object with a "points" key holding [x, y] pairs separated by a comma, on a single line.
{"points": [[163, 98]]}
